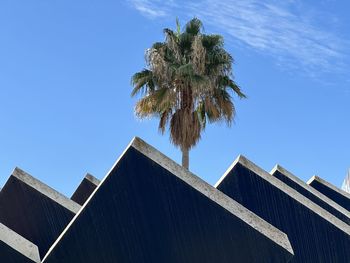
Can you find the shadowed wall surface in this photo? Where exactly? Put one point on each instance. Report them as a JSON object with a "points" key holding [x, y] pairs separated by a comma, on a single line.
{"points": [[314, 198], [16, 249], [28, 208], [85, 189], [313, 238], [143, 213], [332, 193]]}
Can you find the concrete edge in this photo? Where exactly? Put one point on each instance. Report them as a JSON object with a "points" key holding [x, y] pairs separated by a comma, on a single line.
{"points": [[92, 179], [274, 234], [329, 185], [46, 190], [228, 170], [309, 188], [19, 243], [289, 191]]}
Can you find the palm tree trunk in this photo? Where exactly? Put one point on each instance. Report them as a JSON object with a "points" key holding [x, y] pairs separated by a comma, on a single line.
{"points": [[185, 158]]}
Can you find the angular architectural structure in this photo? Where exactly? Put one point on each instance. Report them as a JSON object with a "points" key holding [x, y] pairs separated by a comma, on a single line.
{"points": [[16, 249], [149, 209], [85, 189], [337, 195], [311, 193], [315, 234], [346, 184], [34, 210]]}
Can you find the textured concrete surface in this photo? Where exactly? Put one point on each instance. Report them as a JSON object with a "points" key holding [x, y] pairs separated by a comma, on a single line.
{"points": [[337, 195], [149, 209], [16, 249], [85, 189], [315, 234], [34, 210], [311, 193]]}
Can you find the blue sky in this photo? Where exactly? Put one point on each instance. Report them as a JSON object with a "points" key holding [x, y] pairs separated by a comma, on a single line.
{"points": [[65, 68]]}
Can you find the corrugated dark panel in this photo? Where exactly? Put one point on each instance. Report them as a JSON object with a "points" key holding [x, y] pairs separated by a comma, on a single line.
{"points": [[330, 193], [142, 213], [32, 214], [311, 196], [85, 189], [313, 238]]}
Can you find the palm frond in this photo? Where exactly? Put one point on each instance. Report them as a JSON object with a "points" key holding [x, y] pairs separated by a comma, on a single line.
{"points": [[185, 70], [158, 45], [165, 99], [200, 110], [211, 41], [185, 42], [223, 102], [227, 82], [185, 128], [211, 110], [198, 55], [146, 107], [164, 119], [143, 82], [178, 27], [194, 26], [219, 62], [172, 42]]}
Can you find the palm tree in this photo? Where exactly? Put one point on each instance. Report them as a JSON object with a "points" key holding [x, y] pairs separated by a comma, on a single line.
{"points": [[187, 83]]}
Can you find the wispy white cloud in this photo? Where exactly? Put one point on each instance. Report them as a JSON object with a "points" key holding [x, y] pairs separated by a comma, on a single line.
{"points": [[282, 29], [274, 29], [152, 8]]}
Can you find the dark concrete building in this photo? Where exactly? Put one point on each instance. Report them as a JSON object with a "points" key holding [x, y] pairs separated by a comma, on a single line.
{"points": [[34, 210], [148, 209], [85, 189], [337, 195], [315, 234], [311, 193]]}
